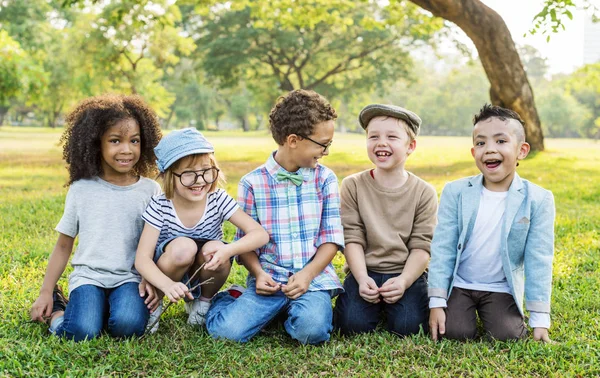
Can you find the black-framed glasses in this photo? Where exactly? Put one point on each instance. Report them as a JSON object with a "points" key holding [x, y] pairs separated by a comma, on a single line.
{"points": [[325, 146], [189, 178]]}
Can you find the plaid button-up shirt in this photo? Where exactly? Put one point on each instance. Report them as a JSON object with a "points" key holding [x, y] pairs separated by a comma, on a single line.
{"points": [[298, 219]]}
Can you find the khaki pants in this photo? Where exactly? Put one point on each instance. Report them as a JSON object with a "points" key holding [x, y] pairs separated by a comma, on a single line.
{"points": [[498, 312]]}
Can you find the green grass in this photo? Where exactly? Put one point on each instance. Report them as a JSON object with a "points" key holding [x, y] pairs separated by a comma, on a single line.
{"points": [[32, 176]]}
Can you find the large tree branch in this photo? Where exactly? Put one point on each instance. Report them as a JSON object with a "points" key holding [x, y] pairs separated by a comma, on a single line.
{"points": [[499, 57], [344, 65]]}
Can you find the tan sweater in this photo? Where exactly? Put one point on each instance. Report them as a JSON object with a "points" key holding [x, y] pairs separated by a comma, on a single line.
{"points": [[388, 223]]}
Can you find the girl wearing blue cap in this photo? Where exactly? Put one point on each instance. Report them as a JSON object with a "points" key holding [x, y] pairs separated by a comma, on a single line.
{"points": [[184, 226]]}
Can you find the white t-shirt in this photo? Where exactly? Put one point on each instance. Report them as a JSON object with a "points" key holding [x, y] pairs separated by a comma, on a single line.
{"points": [[107, 219]]}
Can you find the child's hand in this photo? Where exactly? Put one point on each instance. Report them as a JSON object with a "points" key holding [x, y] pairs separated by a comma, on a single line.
{"points": [[42, 308], [368, 290], [297, 285], [148, 291], [392, 290], [178, 291], [541, 334], [266, 285], [216, 260], [437, 322]]}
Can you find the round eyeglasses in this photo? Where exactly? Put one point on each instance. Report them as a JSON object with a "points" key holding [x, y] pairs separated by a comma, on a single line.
{"points": [[189, 178]]}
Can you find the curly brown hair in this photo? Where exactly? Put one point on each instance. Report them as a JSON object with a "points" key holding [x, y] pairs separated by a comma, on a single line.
{"points": [[89, 121], [297, 113]]}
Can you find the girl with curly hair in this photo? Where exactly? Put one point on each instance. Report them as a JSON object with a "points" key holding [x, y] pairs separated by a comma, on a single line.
{"points": [[108, 145]]}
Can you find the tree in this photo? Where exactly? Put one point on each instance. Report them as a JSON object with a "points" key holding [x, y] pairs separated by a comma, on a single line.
{"points": [[509, 85], [20, 76], [584, 85], [334, 47]]}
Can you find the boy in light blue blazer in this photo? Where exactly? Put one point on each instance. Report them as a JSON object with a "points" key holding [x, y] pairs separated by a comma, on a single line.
{"points": [[494, 242]]}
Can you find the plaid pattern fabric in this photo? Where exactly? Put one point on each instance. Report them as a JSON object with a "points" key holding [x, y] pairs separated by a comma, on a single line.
{"points": [[298, 219]]}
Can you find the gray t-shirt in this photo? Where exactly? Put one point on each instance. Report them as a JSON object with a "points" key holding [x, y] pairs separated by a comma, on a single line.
{"points": [[108, 220]]}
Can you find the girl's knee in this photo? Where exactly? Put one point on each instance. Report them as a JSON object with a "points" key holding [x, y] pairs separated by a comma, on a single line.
{"points": [[181, 252], [81, 332]]}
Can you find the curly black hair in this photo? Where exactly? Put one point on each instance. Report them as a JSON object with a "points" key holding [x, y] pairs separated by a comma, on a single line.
{"points": [[89, 121], [297, 113]]}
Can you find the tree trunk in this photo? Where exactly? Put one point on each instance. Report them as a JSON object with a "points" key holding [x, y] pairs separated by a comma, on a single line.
{"points": [[244, 122], [3, 111], [509, 85]]}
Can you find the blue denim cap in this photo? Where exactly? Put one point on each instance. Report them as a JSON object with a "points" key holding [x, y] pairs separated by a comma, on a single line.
{"points": [[178, 144]]}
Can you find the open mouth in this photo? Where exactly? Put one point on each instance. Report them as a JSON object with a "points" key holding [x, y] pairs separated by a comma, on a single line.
{"points": [[196, 189], [382, 154], [124, 161], [492, 164]]}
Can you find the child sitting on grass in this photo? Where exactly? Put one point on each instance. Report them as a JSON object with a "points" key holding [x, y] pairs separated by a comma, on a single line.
{"points": [[184, 226], [494, 241], [108, 146]]}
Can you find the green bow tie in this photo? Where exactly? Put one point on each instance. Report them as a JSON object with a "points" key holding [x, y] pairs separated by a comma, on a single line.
{"points": [[295, 178]]}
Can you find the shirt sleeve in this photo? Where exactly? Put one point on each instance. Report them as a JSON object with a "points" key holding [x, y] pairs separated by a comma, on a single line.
{"points": [[153, 214], [69, 223], [227, 205], [424, 222], [354, 228], [247, 203], [435, 302], [539, 319], [330, 230]]}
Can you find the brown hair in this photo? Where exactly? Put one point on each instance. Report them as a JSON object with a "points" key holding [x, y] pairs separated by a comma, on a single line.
{"points": [[168, 178], [89, 121], [297, 113]]}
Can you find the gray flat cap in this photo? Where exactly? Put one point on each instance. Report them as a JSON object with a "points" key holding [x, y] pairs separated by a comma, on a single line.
{"points": [[377, 110]]}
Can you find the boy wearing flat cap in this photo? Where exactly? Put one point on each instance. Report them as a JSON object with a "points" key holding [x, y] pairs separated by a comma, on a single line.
{"points": [[388, 215], [494, 243]]}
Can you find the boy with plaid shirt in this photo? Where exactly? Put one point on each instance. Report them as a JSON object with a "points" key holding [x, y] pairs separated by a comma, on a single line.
{"points": [[297, 201]]}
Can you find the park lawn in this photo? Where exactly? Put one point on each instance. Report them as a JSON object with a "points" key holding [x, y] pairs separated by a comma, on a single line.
{"points": [[32, 192]]}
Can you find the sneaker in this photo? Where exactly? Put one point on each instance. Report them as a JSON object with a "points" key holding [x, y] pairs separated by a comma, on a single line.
{"points": [[60, 301], [197, 310], [236, 290], [152, 325]]}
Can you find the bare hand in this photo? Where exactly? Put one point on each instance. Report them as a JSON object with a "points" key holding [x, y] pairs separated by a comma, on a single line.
{"points": [[437, 323], [296, 286], [178, 291], [42, 308], [216, 260], [266, 285], [147, 290], [368, 290], [541, 334], [392, 290]]}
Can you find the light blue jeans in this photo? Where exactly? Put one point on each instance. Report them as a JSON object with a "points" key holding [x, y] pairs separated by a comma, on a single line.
{"points": [[91, 309], [309, 318]]}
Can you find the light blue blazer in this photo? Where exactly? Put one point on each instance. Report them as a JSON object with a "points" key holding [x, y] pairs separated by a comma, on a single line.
{"points": [[527, 243]]}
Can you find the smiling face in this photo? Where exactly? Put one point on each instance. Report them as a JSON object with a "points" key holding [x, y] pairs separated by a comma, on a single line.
{"points": [[309, 149], [388, 143], [120, 147], [194, 191], [497, 147]]}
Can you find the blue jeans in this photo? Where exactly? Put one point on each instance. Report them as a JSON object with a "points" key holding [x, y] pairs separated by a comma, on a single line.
{"points": [[308, 317], [120, 310], [353, 314]]}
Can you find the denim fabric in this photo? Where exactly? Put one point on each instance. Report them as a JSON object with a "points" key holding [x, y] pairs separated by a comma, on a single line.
{"points": [[308, 317], [120, 310], [527, 239], [355, 315]]}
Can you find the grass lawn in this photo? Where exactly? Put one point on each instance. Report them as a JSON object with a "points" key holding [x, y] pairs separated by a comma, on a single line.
{"points": [[32, 176]]}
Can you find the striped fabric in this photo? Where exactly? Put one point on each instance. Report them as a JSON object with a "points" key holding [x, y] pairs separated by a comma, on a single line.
{"points": [[298, 219], [161, 215]]}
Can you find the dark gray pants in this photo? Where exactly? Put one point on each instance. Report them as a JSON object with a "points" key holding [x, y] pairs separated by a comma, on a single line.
{"points": [[498, 312]]}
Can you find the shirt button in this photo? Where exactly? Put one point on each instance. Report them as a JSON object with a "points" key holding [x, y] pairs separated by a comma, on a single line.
{"points": [[459, 246], [295, 236]]}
